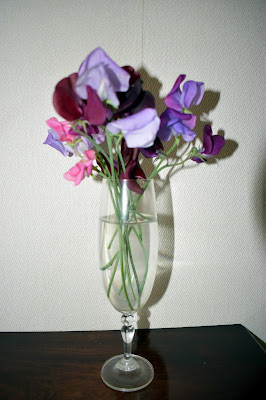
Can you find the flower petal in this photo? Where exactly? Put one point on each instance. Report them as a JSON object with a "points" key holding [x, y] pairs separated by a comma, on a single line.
{"points": [[94, 111], [65, 100], [173, 99], [53, 141], [139, 130], [187, 134], [76, 174], [218, 144], [103, 75], [192, 93]]}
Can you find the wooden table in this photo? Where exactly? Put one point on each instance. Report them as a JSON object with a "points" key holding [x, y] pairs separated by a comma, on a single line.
{"points": [[217, 362]]}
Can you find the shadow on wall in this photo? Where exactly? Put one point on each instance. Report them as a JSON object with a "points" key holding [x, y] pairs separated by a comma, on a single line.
{"points": [[259, 200], [166, 244], [163, 189]]}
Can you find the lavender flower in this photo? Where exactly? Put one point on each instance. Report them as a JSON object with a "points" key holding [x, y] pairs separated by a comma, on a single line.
{"points": [[139, 130], [103, 75], [54, 141]]}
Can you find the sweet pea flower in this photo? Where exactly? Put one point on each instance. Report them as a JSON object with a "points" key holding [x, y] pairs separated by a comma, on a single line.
{"points": [[177, 119], [71, 107], [102, 74], [81, 169], [62, 128], [135, 98], [154, 150], [212, 145], [54, 141], [66, 101], [139, 130], [174, 123], [190, 96], [133, 171]]}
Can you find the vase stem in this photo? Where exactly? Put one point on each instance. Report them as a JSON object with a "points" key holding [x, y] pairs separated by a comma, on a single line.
{"points": [[127, 363]]}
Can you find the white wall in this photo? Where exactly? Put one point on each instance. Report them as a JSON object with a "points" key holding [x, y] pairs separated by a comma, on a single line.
{"points": [[212, 217]]}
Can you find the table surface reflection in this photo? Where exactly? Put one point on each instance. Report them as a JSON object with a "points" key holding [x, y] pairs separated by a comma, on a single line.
{"points": [[214, 362]]}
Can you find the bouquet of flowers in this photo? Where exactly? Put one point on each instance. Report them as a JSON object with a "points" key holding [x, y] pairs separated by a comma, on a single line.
{"points": [[109, 126], [104, 103]]}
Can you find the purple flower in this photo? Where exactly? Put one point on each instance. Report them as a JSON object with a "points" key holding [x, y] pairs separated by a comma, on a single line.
{"points": [[212, 145], [177, 119], [191, 96], [54, 141], [139, 130], [176, 123], [103, 75]]}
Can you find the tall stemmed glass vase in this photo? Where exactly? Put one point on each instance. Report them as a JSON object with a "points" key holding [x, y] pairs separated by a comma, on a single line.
{"points": [[128, 245]]}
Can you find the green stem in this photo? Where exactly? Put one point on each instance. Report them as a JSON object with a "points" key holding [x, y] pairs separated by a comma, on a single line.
{"points": [[109, 264], [112, 277], [122, 254], [145, 259]]}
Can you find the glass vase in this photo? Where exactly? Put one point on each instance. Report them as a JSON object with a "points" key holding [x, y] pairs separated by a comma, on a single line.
{"points": [[128, 245]]}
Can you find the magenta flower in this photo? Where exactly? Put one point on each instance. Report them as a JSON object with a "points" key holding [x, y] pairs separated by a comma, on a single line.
{"points": [[212, 145], [103, 75], [81, 169], [139, 130]]}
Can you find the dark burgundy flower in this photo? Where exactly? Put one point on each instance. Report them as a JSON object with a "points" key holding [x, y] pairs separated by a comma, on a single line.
{"points": [[133, 171], [71, 107], [135, 98], [66, 102], [134, 75], [94, 110]]}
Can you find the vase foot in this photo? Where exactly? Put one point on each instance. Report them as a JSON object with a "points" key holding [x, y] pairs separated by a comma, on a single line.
{"points": [[127, 377]]}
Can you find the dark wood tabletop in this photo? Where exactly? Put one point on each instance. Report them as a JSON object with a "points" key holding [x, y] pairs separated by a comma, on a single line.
{"points": [[216, 362]]}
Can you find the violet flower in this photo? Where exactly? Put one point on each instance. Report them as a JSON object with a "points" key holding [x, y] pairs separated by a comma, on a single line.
{"points": [[139, 130], [190, 96], [212, 145], [54, 141], [103, 75], [177, 119], [174, 123]]}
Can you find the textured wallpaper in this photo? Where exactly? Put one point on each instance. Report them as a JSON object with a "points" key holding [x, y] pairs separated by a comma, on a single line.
{"points": [[212, 220]]}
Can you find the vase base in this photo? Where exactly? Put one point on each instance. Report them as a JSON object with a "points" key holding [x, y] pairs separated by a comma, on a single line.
{"points": [[137, 375]]}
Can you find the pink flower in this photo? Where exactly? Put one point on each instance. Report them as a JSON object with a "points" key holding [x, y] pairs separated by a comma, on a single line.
{"points": [[83, 168], [62, 128]]}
